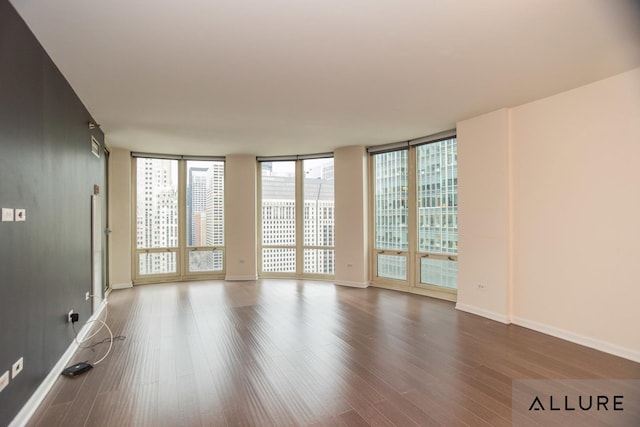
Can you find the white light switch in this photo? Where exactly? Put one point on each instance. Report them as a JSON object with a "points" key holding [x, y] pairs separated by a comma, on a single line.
{"points": [[7, 214], [21, 215]]}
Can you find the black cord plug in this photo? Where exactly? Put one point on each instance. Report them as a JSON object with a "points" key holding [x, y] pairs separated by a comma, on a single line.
{"points": [[74, 317]]}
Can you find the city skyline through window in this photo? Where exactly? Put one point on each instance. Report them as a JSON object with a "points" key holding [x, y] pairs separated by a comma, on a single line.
{"points": [[298, 197], [435, 203], [391, 210], [156, 215], [278, 216], [205, 215], [280, 181], [179, 217], [318, 217]]}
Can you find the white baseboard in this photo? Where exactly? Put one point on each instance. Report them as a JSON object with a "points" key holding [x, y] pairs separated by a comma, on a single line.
{"points": [[241, 278], [29, 408], [498, 317], [607, 347], [122, 285], [351, 284]]}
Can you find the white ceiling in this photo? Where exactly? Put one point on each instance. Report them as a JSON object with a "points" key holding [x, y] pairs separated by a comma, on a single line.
{"points": [[271, 77]]}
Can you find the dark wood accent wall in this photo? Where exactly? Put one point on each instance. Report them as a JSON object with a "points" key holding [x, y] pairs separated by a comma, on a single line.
{"points": [[47, 168]]}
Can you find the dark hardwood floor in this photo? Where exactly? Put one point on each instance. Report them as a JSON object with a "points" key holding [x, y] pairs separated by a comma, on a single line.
{"points": [[278, 352]]}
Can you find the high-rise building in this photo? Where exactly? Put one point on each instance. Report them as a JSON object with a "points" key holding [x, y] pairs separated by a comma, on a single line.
{"points": [[279, 218], [437, 210], [279, 223], [437, 199], [214, 219], [214, 204], [196, 202], [157, 214], [437, 181], [318, 218]]}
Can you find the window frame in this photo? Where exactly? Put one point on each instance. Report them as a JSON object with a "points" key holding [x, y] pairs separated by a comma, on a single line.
{"points": [[413, 255], [299, 247], [182, 250]]}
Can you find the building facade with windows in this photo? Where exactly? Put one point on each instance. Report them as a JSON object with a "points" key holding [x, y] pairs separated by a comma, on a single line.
{"points": [[435, 201], [279, 219], [156, 214]]}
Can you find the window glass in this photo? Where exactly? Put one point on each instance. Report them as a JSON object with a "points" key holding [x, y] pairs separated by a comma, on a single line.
{"points": [[205, 203], [437, 197], [157, 203], [318, 216], [278, 215], [391, 201]]}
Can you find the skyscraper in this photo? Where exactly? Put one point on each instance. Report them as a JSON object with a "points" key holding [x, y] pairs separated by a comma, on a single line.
{"points": [[437, 211], [279, 217], [157, 214], [214, 219], [196, 202]]}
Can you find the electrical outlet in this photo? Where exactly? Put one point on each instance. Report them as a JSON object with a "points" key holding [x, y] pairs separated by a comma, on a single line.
{"points": [[482, 286], [17, 367], [86, 296], [69, 316], [4, 380], [21, 215]]}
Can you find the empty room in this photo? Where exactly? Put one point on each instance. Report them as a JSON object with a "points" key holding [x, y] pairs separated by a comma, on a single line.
{"points": [[319, 213]]}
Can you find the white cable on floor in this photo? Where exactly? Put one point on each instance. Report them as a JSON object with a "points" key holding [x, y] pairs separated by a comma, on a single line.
{"points": [[110, 340], [106, 316], [104, 325]]}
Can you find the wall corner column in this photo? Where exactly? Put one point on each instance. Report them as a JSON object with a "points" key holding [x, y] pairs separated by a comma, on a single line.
{"points": [[120, 274], [484, 216], [351, 217], [240, 189]]}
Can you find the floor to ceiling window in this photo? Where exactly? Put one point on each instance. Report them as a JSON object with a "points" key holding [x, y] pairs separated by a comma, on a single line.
{"points": [[297, 217], [156, 217], [179, 218], [318, 217], [205, 216], [278, 186], [391, 205], [437, 205], [415, 216]]}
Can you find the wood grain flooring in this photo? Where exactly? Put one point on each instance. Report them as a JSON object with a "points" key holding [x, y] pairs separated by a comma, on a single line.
{"points": [[279, 353]]}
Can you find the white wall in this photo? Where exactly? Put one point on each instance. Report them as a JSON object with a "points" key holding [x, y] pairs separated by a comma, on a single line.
{"points": [[571, 211], [240, 217], [483, 218], [350, 168], [576, 207], [120, 218]]}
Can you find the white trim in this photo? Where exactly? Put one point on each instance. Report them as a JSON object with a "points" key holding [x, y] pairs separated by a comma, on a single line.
{"points": [[315, 156], [294, 157], [241, 278], [375, 149], [440, 136], [351, 284], [607, 347], [29, 408], [135, 154], [498, 317], [122, 285]]}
